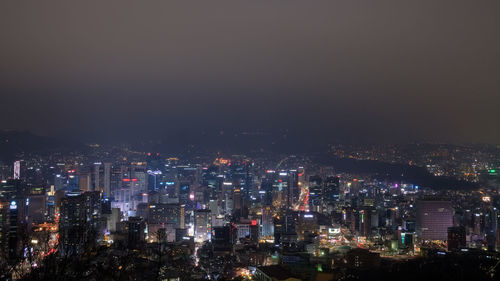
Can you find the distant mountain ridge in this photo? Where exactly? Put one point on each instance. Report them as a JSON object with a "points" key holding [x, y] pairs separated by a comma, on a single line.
{"points": [[395, 172], [13, 143]]}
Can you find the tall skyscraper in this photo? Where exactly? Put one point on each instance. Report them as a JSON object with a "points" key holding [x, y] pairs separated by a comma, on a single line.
{"points": [[267, 222], [434, 216], [136, 235], [79, 222], [332, 189], [17, 170], [315, 193], [107, 180], [202, 225]]}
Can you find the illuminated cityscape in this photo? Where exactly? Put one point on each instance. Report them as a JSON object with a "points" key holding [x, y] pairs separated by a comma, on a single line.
{"points": [[240, 216], [249, 140]]}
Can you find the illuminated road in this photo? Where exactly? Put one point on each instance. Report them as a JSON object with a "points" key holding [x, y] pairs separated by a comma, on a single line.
{"points": [[303, 203]]}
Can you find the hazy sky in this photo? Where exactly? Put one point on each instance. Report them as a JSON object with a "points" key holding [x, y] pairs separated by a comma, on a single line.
{"points": [[356, 69]]}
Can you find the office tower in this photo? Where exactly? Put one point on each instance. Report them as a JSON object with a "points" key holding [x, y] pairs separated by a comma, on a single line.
{"points": [[434, 216], [278, 194], [60, 182], [13, 190], [237, 200], [408, 240], [97, 179], [211, 180], [136, 231], [285, 227], [182, 217], [267, 222], [354, 220], [79, 222], [17, 170], [213, 206], [14, 194], [456, 238], [293, 189], [254, 232], [498, 233], [229, 204], [116, 177], [72, 225], [266, 190], [73, 183], [129, 195], [290, 221], [183, 194], [278, 223], [4, 228], [10, 230], [315, 193], [37, 209], [365, 221], [85, 179], [154, 177], [489, 218], [15, 230], [240, 174], [180, 234], [139, 172], [202, 225], [222, 239], [112, 219], [282, 185], [409, 225], [164, 214], [107, 180], [243, 230], [332, 190], [307, 224]]}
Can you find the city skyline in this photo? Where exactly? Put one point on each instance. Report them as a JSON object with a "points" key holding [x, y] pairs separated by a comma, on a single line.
{"points": [[279, 140]]}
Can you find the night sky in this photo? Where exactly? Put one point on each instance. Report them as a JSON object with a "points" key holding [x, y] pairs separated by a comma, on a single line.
{"points": [[364, 70]]}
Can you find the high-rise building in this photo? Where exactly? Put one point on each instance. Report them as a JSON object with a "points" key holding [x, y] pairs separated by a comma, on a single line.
{"points": [[72, 182], [4, 226], [97, 179], [37, 208], [434, 216], [202, 225], [315, 193], [456, 238], [237, 199], [365, 221], [139, 172], [10, 228], [79, 222], [136, 231], [332, 190], [14, 195], [266, 191], [293, 191], [222, 239], [164, 214], [180, 234], [85, 179], [267, 222], [17, 170], [107, 180], [72, 225]]}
